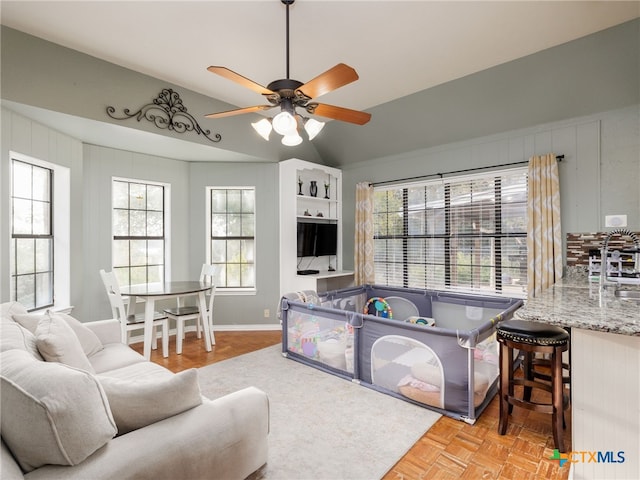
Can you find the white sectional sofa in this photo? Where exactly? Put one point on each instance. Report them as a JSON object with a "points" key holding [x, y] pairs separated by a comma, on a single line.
{"points": [[78, 404]]}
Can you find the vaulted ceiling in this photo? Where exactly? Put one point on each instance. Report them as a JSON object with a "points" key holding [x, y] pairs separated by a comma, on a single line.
{"points": [[397, 47]]}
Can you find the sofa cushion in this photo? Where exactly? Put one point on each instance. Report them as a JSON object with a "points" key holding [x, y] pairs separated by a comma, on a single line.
{"points": [[136, 403], [51, 413], [13, 336], [57, 342], [89, 341], [114, 356], [139, 371], [10, 468]]}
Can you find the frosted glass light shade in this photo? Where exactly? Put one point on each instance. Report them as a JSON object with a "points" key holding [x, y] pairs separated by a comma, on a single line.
{"points": [[292, 140], [284, 123], [263, 127], [313, 127]]}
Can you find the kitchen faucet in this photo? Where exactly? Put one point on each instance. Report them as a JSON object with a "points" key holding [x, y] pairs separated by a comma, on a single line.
{"points": [[604, 264]]}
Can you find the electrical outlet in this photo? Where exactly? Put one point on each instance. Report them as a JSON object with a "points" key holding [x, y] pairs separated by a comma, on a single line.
{"points": [[267, 313], [615, 221]]}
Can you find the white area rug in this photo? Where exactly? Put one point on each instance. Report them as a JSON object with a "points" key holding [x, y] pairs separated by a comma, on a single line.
{"points": [[322, 426]]}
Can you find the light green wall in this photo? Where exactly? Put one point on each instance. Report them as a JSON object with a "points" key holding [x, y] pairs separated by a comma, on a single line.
{"points": [[241, 309], [24, 136], [596, 73], [100, 166], [188, 182], [92, 169], [600, 174], [46, 75]]}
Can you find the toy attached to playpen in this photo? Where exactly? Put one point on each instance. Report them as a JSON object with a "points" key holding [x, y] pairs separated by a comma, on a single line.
{"points": [[432, 348]]}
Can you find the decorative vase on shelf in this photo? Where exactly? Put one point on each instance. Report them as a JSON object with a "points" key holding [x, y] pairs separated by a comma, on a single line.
{"points": [[300, 186], [313, 188], [326, 191]]}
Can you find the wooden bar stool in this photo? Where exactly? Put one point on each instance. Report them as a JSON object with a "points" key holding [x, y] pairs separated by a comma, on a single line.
{"points": [[536, 367], [532, 338]]}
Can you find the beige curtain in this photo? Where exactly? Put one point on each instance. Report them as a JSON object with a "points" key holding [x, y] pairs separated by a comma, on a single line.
{"points": [[544, 238], [363, 248]]}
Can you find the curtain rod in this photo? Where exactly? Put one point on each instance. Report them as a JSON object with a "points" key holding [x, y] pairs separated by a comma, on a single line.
{"points": [[558, 157]]}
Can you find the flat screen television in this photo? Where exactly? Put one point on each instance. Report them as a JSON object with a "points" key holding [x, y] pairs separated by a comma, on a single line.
{"points": [[316, 239], [306, 239], [326, 239]]}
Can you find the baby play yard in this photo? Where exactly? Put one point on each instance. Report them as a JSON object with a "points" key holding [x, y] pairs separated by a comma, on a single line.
{"points": [[432, 348]]}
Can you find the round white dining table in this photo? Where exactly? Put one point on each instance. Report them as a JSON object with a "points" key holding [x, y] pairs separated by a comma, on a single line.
{"points": [[152, 292]]}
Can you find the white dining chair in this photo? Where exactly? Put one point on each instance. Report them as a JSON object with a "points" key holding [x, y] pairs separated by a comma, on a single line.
{"points": [[182, 314], [133, 321]]}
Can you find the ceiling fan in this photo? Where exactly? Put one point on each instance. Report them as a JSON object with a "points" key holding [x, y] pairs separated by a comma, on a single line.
{"points": [[289, 94]]}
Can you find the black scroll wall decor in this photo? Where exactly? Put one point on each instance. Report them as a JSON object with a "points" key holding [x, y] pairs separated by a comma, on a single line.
{"points": [[167, 112]]}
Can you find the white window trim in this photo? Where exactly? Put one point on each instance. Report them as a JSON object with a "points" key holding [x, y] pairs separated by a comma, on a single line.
{"points": [[222, 291], [167, 220], [61, 228]]}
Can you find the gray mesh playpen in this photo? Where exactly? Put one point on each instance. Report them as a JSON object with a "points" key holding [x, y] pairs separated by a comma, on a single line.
{"points": [[435, 349]]}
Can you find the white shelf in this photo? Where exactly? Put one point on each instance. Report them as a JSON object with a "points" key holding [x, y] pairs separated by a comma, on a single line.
{"points": [[328, 274], [325, 281], [292, 208], [315, 199], [315, 218]]}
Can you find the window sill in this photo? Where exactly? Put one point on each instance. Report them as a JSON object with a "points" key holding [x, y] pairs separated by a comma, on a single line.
{"points": [[54, 309]]}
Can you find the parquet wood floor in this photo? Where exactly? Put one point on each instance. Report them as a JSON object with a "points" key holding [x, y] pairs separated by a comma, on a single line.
{"points": [[451, 449]]}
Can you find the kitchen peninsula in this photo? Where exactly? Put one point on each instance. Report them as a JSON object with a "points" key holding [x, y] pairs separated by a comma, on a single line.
{"points": [[605, 378]]}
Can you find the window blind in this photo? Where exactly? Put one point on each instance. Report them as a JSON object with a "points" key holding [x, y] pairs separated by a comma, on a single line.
{"points": [[460, 233]]}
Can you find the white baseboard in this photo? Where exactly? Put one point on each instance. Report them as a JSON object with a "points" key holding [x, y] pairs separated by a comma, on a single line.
{"points": [[247, 328]]}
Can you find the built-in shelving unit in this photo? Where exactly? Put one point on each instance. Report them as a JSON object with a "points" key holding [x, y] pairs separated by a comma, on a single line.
{"points": [[324, 206], [301, 202]]}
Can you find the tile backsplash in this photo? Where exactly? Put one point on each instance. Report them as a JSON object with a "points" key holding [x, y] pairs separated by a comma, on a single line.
{"points": [[579, 244]]}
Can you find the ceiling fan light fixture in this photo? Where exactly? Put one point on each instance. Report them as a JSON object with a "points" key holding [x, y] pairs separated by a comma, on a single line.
{"points": [[313, 127], [289, 94], [263, 127], [284, 123], [292, 140]]}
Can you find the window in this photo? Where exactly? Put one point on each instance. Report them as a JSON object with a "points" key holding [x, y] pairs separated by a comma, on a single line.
{"points": [[232, 237], [32, 241], [139, 231], [459, 233]]}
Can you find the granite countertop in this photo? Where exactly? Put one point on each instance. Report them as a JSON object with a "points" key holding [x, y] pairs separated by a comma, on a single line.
{"points": [[577, 303]]}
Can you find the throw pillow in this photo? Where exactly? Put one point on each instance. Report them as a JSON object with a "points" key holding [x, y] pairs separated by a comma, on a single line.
{"points": [[51, 413], [11, 308], [90, 342], [57, 342], [136, 404]]}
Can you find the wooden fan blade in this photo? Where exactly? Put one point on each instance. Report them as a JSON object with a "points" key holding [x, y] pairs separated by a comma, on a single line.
{"points": [[239, 111], [339, 113], [236, 77], [333, 78]]}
